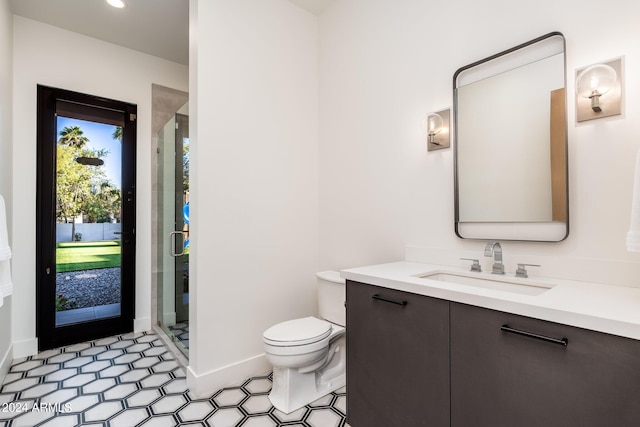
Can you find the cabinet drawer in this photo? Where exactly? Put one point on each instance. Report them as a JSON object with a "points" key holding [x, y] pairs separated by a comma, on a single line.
{"points": [[524, 374], [397, 358]]}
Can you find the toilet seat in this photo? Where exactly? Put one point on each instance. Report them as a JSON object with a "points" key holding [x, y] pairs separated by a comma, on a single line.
{"points": [[297, 332]]}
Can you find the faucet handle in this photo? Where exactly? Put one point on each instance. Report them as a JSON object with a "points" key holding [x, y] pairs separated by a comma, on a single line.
{"points": [[476, 264], [522, 271]]}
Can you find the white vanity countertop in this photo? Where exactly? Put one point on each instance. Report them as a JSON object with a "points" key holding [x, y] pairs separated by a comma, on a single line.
{"points": [[610, 309]]}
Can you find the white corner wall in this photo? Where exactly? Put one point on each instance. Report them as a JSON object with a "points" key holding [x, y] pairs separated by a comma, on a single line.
{"points": [[384, 64], [50, 56], [254, 204], [6, 93]]}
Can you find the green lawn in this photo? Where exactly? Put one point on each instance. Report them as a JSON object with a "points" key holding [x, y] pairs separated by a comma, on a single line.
{"points": [[75, 256]]}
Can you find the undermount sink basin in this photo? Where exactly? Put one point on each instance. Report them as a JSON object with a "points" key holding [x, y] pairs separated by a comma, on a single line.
{"points": [[498, 283]]}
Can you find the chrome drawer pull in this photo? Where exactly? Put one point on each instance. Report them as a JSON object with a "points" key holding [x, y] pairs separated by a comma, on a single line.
{"points": [[562, 341], [379, 298]]}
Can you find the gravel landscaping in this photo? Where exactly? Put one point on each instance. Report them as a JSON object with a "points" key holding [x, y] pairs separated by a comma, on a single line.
{"points": [[89, 288]]}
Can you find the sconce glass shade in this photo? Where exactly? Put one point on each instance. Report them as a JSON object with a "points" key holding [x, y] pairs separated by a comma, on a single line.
{"points": [[432, 124], [595, 80], [600, 87], [435, 126]]}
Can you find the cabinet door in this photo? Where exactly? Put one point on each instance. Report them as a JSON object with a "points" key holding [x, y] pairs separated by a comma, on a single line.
{"points": [[505, 379], [397, 358]]}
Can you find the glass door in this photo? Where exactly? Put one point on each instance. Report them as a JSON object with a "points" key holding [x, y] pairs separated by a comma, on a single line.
{"points": [[173, 230], [86, 217]]}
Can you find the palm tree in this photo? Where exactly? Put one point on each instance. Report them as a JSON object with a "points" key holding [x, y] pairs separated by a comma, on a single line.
{"points": [[117, 134], [72, 136]]}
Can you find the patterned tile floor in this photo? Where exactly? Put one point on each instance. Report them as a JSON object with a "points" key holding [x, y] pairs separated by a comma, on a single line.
{"points": [[133, 380], [181, 332]]}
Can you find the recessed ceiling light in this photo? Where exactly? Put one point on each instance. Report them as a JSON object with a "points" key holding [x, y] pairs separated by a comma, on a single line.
{"points": [[116, 3]]}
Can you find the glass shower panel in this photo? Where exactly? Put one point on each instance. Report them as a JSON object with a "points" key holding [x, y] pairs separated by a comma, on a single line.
{"points": [[173, 230]]}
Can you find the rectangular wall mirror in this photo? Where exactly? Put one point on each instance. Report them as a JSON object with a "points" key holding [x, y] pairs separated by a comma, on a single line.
{"points": [[511, 144]]}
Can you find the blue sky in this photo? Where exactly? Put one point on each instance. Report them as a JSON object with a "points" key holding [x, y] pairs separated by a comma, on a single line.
{"points": [[100, 137]]}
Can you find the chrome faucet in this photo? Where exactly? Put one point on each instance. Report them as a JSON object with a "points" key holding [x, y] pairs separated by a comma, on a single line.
{"points": [[495, 250]]}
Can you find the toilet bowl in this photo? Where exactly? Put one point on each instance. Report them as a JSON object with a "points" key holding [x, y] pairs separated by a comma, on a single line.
{"points": [[308, 354]]}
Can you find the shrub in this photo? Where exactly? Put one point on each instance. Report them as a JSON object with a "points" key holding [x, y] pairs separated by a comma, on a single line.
{"points": [[63, 303]]}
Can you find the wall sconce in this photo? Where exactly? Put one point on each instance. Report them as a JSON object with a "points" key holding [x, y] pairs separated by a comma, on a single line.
{"points": [[436, 127], [599, 90]]}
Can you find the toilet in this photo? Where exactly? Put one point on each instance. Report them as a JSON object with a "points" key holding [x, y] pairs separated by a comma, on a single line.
{"points": [[308, 354]]}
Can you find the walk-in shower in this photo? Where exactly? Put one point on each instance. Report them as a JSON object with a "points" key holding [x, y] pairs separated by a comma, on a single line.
{"points": [[171, 234]]}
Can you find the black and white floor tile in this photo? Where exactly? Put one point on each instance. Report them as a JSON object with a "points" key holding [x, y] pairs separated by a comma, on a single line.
{"points": [[133, 380], [181, 332]]}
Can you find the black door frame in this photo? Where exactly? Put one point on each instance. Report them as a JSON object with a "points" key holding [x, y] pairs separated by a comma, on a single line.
{"points": [[50, 336]]}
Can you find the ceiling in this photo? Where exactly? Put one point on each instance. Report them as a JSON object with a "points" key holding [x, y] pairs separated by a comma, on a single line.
{"points": [[157, 27]]}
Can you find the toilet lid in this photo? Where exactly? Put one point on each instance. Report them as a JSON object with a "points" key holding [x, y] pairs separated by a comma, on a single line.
{"points": [[297, 332]]}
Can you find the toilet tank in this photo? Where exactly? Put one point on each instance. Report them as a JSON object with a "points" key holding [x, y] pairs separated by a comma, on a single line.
{"points": [[331, 297]]}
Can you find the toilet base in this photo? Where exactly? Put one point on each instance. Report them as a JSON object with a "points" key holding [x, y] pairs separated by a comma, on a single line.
{"points": [[293, 390]]}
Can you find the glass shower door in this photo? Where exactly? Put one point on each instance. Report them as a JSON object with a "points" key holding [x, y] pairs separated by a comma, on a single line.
{"points": [[173, 230]]}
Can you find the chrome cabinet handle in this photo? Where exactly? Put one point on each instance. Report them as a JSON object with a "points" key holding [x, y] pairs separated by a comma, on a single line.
{"points": [[172, 244], [379, 298], [562, 341]]}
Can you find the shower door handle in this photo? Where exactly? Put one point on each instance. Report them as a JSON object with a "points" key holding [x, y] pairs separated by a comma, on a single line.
{"points": [[172, 244]]}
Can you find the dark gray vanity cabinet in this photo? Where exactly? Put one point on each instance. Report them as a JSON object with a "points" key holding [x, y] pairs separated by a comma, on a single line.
{"points": [[397, 358], [502, 378]]}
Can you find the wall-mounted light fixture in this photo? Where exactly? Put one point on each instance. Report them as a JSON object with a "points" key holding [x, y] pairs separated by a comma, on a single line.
{"points": [[599, 90], [436, 127]]}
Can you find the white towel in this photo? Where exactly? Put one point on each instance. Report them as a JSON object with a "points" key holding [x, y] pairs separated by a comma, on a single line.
{"points": [[6, 285], [633, 236]]}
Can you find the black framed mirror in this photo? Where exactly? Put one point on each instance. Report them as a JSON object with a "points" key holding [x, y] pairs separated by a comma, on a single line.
{"points": [[510, 146]]}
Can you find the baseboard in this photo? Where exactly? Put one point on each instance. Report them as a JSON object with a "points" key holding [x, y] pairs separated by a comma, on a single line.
{"points": [[25, 348], [142, 325], [5, 363], [231, 375]]}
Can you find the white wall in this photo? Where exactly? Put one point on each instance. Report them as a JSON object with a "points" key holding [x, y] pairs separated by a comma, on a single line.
{"points": [[384, 64], [6, 91], [254, 204], [51, 56]]}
